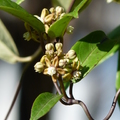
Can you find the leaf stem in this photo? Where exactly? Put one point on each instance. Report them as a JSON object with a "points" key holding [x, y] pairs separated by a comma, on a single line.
{"points": [[63, 89], [70, 90]]}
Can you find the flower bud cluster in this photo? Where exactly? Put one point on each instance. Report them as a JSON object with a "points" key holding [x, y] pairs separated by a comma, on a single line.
{"points": [[31, 33], [56, 63], [48, 17]]}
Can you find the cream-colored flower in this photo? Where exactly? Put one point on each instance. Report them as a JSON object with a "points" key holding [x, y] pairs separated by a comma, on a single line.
{"points": [[53, 69]]}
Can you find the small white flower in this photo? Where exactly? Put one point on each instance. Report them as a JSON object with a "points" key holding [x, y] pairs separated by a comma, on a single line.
{"points": [[51, 71], [71, 54], [76, 75], [39, 18], [39, 67], [70, 29], [49, 46]]}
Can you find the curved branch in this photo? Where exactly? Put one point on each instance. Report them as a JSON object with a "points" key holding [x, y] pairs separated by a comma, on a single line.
{"points": [[70, 90], [113, 106], [17, 91], [82, 104]]}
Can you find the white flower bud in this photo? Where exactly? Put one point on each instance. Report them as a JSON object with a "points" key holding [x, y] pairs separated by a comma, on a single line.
{"points": [[49, 46], [58, 46], [27, 36], [46, 28], [39, 18], [52, 10], [44, 13], [76, 75], [70, 29], [51, 71], [71, 54], [61, 16], [59, 10], [39, 67], [63, 62], [49, 18]]}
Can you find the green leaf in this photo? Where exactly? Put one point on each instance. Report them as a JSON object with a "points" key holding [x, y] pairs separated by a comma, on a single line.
{"points": [[16, 10], [8, 50], [118, 78], [114, 35], [79, 6], [42, 104], [19, 1], [91, 49], [59, 27]]}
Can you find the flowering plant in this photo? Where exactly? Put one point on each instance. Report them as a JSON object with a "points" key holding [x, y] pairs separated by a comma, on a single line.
{"points": [[65, 69]]}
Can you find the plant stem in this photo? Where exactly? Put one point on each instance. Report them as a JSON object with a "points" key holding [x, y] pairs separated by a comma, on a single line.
{"points": [[113, 106], [70, 90], [71, 101], [63, 89], [82, 104], [29, 59], [17, 91]]}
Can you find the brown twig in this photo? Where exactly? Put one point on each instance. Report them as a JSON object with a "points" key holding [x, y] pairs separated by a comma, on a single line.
{"points": [[62, 88], [71, 101], [17, 92], [70, 90], [113, 106]]}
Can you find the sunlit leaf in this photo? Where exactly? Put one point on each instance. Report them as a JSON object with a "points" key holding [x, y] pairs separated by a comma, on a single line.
{"points": [[79, 6], [91, 49], [19, 1], [118, 78], [8, 50], [59, 27], [42, 104], [16, 10]]}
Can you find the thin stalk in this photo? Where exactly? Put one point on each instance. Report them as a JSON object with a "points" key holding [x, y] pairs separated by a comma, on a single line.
{"points": [[59, 92], [17, 92], [82, 104], [113, 106], [62, 88], [31, 58], [70, 90]]}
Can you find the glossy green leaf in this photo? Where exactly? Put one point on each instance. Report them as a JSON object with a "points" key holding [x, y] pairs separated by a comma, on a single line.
{"points": [[91, 49], [79, 6], [118, 77], [19, 1], [114, 35], [42, 104], [59, 27], [8, 50], [16, 10]]}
